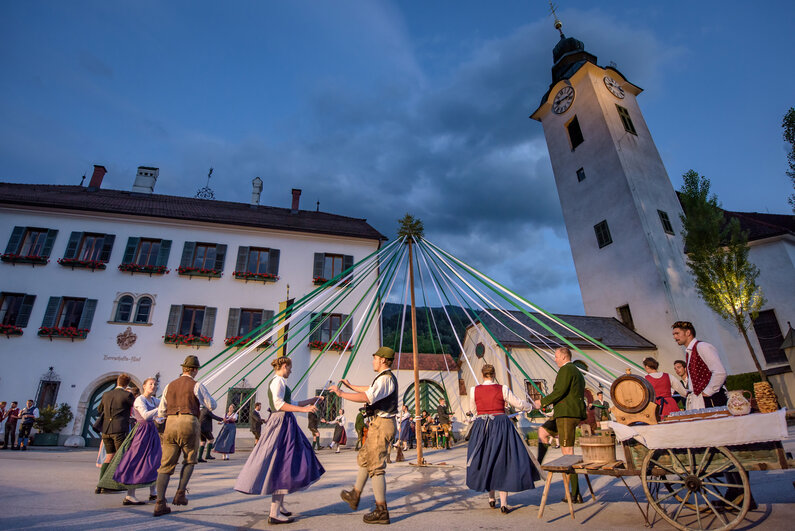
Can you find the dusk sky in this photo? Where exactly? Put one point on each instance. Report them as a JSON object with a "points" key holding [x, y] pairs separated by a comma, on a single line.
{"points": [[379, 108]]}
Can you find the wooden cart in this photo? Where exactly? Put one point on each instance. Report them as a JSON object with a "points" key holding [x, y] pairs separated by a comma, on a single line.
{"points": [[687, 486]]}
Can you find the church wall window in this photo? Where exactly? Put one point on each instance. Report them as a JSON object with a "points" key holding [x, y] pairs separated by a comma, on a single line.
{"points": [[575, 133], [602, 231], [626, 316], [629, 127], [666, 222], [768, 333], [580, 175]]}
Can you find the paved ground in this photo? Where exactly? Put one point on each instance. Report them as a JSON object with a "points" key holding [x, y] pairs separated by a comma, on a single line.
{"points": [[53, 489]]}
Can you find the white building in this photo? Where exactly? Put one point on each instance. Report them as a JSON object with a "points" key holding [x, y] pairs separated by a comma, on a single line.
{"points": [[623, 221], [127, 270]]}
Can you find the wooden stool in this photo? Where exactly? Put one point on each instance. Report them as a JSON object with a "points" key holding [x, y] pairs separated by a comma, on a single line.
{"points": [[564, 466]]}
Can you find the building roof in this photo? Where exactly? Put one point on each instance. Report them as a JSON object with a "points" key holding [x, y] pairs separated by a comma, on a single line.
{"points": [[607, 330], [760, 226], [185, 208], [427, 362]]}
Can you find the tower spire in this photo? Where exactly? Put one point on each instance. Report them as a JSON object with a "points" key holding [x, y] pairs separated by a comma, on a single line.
{"points": [[558, 23]]}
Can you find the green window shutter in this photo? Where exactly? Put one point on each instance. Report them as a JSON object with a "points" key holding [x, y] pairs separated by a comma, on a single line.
{"points": [[24, 310], [15, 240], [347, 330], [52, 310], [129, 251], [242, 260], [320, 262], [49, 242], [233, 322], [162, 256], [71, 246], [174, 315], [267, 315], [220, 256], [107, 247], [273, 261], [347, 263], [89, 307], [187, 255], [316, 320], [208, 325]]}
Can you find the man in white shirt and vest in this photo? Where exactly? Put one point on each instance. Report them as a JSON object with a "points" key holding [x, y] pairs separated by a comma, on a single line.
{"points": [[381, 398]]}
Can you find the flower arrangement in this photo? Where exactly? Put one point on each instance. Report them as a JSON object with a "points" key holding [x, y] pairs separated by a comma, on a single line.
{"points": [[248, 275], [137, 268], [15, 258], [232, 340], [77, 262], [186, 339], [199, 272], [319, 280], [68, 332], [336, 345], [10, 330]]}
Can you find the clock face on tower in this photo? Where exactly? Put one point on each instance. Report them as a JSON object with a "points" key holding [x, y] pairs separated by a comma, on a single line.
{"points": [[563, 100], [613, 86]]}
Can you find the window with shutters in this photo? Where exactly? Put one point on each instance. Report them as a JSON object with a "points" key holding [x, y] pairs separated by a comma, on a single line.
{"points": [[245, 325], [190, 325], [87, 250], [15, 311], [623, 113], [330, 332], [575, 133], [328, 266], [602, 231], [257, 263], [131, 308], [768, 333], [202, 260], [146, 255], [29, 245], [68, 317]]}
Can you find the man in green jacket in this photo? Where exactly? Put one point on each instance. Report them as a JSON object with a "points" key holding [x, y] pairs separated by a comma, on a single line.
{"points": [[568, 399]]}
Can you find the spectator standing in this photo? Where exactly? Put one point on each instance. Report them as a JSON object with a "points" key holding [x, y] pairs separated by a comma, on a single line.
{"points": [[28, 415], [12, 416]]}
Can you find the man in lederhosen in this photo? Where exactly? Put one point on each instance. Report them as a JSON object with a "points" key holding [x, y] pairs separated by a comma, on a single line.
{"points": [[180, 405], [381, 398], [206, 418]]}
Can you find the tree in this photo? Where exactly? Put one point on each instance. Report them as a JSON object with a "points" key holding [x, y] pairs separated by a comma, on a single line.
{"points": [[717, 255], [789, 136]]}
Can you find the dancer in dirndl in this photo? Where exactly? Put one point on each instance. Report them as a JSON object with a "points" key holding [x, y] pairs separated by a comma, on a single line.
{"points": [[406, 427], [283, 460], [340, 438], [497, 459], [225, 442], [136, 461]]}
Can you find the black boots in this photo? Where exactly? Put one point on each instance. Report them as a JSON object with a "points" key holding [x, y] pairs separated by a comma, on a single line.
{"points": [[542, 451]]}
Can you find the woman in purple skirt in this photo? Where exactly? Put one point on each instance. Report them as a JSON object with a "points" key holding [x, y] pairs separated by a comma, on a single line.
{"points": [[283, 460]]}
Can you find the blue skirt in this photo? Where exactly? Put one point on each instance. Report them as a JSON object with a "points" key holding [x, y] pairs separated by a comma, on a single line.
{"points": [[225, 442], [282, 461], [497, 457], [405, 430]]}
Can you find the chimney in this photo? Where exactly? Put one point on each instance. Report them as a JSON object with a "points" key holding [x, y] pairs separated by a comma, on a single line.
{"points": [[145, 180], [96, 180], [296, 198], [256, 190]]}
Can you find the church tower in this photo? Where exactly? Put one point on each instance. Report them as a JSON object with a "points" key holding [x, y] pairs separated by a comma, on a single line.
{"points": [[621, 211]]}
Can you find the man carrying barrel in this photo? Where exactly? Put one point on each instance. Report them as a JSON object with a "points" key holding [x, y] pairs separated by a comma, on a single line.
{"points": [[568, 399]]}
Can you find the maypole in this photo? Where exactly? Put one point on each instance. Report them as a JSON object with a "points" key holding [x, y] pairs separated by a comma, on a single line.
{"points": [[412, 228]]}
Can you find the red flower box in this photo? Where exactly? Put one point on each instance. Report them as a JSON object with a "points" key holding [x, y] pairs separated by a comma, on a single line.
{"points": [[86, 264], [14, 258], [187, 339], [9, 330], [232, 340], [320, 345], [262, 277], [199, 272], [68, 332], [317, 281], [150, 270]]}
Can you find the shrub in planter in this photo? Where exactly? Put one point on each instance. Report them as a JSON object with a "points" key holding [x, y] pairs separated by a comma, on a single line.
{"points": [[51, 421]]}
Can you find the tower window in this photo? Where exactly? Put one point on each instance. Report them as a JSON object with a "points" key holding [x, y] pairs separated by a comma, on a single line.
{"points": [[575, 133], [768, 332], [626, 316], [602, 234], [629, 127], [666, 222], [580, 175]]}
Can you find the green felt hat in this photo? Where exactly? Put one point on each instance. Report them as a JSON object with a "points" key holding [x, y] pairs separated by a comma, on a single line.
{"points": [[191, 362], [385, 352]]}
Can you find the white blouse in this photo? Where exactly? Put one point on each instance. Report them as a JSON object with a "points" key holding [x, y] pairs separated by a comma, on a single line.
{"points": [[145, 408], [278, 387]]}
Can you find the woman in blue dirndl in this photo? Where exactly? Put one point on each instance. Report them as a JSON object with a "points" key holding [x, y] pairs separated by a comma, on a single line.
{"points": [[497, 459], [225, 442], [283, 460]]}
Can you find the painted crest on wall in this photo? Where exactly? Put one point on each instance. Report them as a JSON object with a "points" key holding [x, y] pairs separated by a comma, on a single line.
{"points": [[126, 339]]}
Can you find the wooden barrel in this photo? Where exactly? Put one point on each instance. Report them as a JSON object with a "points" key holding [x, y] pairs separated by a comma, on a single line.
{"points": [[631, 393], [598, 449]]}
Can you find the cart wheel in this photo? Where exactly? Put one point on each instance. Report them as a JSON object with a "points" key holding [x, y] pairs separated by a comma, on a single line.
{"points": [[696, 486]]}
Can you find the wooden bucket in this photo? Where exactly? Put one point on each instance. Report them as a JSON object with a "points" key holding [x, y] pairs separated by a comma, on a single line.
{"points": [[598, 449], [631, 393]]}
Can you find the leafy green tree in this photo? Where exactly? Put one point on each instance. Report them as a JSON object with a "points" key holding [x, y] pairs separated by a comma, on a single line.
{"points": [[717, 255], [789, 136]]}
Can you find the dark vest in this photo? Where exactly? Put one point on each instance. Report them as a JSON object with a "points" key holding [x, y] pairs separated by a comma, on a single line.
{"points": [[181, 398], [288, 396], [388, 404]]}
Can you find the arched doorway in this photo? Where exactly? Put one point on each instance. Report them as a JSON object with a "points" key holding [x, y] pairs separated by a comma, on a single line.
{"points": [[430, 393], [89, 434]]}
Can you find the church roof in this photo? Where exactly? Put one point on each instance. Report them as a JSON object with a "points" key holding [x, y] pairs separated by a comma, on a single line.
{"points": [[607, 330], [70, 197]]}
